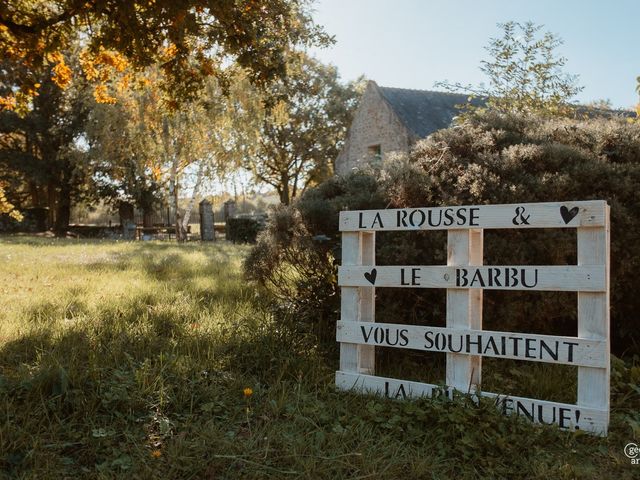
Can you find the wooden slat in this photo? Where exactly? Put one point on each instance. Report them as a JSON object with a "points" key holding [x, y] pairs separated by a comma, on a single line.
{"points": [[524, 215], [464, 309], [350, 300], [476, 295], [593, 318], [366, 353], [571, 278], [390, 387], [508, 345], [566, 416]]}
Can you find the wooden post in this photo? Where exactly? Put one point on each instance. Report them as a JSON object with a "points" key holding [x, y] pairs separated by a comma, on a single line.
{"points": [[366, 353], [593, 318], [464, 308], [358, 303]]}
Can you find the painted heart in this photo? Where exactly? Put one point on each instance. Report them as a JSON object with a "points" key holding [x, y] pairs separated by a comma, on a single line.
{"points": [[568, 215], [371, 276]]}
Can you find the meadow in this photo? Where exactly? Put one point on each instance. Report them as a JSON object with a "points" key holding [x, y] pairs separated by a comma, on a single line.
{"points": [[156, 360]]}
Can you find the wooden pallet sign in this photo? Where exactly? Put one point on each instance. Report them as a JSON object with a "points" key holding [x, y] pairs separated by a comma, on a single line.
{"points": [[463, 340]]}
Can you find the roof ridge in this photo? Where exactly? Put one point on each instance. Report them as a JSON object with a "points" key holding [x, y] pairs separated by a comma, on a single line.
{"points": [[423, 91]]}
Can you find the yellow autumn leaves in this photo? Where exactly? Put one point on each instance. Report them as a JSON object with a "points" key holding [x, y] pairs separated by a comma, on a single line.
{"points": [[103, 67], [110, 72], [61, 74], [8, 208]]}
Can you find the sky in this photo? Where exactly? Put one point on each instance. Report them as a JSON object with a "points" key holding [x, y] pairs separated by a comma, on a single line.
{"points": [[415, 43]]}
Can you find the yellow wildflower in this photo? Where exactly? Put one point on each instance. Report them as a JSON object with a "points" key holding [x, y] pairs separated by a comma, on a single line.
{"points": [[247, 392], [156, 453]]}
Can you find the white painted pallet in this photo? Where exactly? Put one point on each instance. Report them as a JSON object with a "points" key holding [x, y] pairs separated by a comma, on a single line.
{"points": [[508, 345], [565, 415], [522, 215], [465, 278], [568, 278]]}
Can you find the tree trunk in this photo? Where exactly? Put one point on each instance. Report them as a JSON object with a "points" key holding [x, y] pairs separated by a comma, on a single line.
{"points": [[173, 199], [51, 202], [173, 178], [192, 201], [34, 194], [285, 197], [147, 217], [63, 212]]}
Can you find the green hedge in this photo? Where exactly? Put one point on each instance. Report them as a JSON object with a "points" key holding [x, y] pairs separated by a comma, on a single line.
{"points": [[243, 230], [489, 159]]}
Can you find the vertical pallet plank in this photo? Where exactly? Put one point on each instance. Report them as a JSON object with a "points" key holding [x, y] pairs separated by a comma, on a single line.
{"points": [[366, 353], [593, 318], [464, 309], [350, 300], [476, 257]]}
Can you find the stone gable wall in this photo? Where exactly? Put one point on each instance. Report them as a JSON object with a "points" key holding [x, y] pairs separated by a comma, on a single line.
{"points": [[374, 123]]}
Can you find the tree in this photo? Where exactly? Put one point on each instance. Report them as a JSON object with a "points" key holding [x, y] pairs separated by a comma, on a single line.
{"points": [[638, 105], [190, 39], [7, 208], [146, 152], [41, 159], [524, 72], [300, 136], [126, 156]]}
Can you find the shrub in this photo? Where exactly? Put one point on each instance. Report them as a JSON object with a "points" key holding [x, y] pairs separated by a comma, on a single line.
{"points": [[488, 159], [242, 229]]}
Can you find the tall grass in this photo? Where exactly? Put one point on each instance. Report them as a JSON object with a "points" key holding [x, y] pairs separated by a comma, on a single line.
{"points": [[129, 360]]}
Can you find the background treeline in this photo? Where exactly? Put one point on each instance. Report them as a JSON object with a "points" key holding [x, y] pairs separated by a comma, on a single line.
{"points": [[126, 140]]}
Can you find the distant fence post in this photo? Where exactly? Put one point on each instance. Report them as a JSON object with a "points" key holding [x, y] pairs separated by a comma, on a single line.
{"points": [[229, 210], [207, 232]]}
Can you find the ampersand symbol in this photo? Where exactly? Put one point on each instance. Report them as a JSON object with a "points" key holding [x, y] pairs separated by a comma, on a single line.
{"points": [[521, 218]]}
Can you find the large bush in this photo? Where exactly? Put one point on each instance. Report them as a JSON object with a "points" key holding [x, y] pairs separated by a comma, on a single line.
{"points": [[489, 159]]}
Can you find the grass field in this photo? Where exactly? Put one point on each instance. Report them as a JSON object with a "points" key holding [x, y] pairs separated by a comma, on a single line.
{"points": [[131, 360]]}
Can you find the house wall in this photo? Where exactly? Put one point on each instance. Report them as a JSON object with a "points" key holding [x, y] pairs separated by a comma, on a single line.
{"points": [[374, 123]]}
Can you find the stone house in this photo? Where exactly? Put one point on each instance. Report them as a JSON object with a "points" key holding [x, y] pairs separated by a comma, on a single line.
{"points": [[390, 120]]}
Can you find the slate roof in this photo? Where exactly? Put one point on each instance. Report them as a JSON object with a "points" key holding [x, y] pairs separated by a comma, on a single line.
{"points": [[423, 111]]}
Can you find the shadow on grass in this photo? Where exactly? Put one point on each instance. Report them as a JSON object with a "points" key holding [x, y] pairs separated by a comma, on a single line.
{"points": [[167, 262], [119, 385]]}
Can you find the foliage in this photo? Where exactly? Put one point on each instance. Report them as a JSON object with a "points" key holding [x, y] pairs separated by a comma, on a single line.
{"points": [[638, 105], [524, 72], [297, 269], [128, 157], [7, 208], [190, 39], [131, 359], [42, 161], [147, 152], [491, 158], [242, 229], [302, 127]]}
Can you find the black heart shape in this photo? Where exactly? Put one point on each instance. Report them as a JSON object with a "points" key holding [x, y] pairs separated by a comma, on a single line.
{"points": [[371, 276], [568, 215]]}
